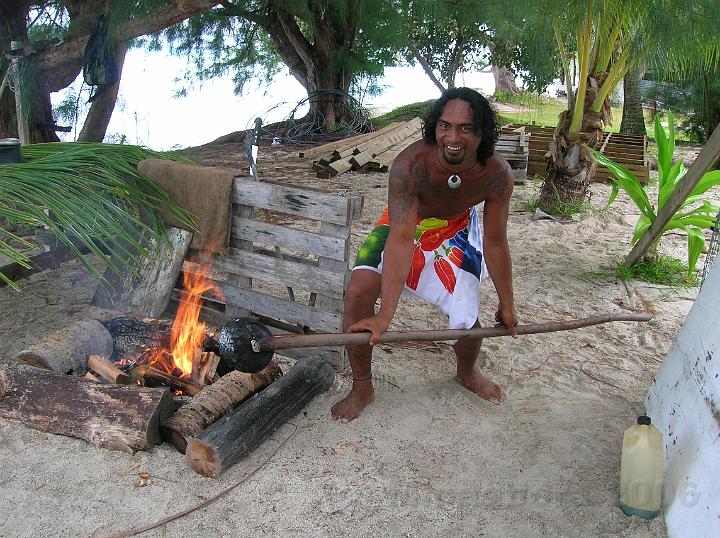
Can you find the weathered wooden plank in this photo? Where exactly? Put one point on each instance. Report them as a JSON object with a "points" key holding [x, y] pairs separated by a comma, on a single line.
{"points": [[283, 236], [244, 281], [39, 261], [341, 144], [281, 272], [340, 166], [310, 204], [282, 309], [147, 292], [387, 140], [394, 134], [352, 149]]}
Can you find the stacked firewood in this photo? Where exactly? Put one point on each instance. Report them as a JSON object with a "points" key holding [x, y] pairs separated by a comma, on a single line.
{"points": [[215, 422], [370, 152]]}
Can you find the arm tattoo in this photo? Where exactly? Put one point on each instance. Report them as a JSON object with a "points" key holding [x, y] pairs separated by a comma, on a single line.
{"points": [[402, 193]]}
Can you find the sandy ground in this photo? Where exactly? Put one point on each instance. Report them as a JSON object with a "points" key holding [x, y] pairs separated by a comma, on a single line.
{"points": [[427, 458]]}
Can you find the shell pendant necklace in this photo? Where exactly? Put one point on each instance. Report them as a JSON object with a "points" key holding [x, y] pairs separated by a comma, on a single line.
{"points": [[454, 180]]}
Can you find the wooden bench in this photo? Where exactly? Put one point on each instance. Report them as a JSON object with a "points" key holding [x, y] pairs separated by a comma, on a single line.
{"points": [[513, 145], [288, 261]]}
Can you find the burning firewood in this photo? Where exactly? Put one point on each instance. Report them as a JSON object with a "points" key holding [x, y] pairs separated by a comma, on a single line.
{"points": [[214, 401], [204, 367], [107, 370], [155, 374]]}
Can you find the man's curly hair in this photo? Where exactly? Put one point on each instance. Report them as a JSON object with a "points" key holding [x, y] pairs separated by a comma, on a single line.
{"points": [[484, 120]]}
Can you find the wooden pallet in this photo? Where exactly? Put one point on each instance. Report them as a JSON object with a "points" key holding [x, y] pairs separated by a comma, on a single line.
{"points": [[514, 146], [288, 261], [628, 150]]}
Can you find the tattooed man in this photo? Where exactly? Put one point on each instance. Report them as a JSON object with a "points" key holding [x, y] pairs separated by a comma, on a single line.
{"points": [[429, 241]]}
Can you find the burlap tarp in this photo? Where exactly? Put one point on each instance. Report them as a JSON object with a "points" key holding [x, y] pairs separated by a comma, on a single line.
{"points": [[204, 191]]}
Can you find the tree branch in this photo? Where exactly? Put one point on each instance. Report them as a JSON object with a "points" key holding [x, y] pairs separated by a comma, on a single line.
{"points": [[69, 53], [426, 67]]}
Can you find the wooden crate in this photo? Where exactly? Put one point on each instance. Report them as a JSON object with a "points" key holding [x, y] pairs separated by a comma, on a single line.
{"points": [[288, 261], [628, 150]]}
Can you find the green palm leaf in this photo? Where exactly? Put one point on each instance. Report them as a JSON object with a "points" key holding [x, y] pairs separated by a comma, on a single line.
{"points": [[665, 152], [628, 182], [88, 195], [708, 181], [696, 242]]}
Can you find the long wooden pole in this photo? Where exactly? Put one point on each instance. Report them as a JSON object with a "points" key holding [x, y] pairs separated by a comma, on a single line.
{"points": [[705, 159], [340, 339]]}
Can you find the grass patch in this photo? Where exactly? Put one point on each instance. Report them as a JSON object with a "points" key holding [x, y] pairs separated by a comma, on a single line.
{"points": [[562, 209], [529, 206], [404, 113], [664, 270]]}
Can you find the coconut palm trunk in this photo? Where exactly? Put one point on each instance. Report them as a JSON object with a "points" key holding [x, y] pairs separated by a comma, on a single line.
{"points": [[603, 62]]}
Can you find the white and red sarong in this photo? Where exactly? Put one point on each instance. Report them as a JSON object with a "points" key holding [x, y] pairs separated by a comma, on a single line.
{"points": [[447, 263]]}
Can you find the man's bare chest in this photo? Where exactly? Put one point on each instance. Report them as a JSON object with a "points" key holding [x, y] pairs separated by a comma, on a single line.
{"points": [[437, 198]]}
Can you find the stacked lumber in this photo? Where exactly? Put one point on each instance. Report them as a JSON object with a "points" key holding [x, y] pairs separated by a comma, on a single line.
{"points": [[628, 150], [368, 152]]}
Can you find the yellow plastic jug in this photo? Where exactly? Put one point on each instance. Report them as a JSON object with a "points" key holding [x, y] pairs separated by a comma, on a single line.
{"points": [[641, 469]]}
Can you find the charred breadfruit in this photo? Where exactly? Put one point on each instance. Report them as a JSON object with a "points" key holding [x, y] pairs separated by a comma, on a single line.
{"points": [[234, 342]]}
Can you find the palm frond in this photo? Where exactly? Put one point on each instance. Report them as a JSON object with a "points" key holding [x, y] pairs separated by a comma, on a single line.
{"points": [[86, 194]]}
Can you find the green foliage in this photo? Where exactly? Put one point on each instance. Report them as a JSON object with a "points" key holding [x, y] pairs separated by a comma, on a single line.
{"points": [[695, 215], [696, 95], [663, 270], [252, 40], [530, 206], [404, 113], [449, 36], [91, 194], [565, 209]]}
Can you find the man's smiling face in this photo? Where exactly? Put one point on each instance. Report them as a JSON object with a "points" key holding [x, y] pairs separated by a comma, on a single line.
{"points": [[455, 133]]}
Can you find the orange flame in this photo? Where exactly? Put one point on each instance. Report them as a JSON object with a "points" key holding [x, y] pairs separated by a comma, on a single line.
{"points": [[188, 332]]}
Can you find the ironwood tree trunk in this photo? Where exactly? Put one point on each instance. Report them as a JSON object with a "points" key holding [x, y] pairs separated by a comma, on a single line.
{"points": [[101, 109], [504, 81], [633, 121], [29, 84], [313, 64], [426, 67], [58, 65]]}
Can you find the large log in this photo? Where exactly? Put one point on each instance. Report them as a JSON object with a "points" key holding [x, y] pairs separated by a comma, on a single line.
{"points": [[214, 401], [67, 350], [238, 432], [118, 417]]}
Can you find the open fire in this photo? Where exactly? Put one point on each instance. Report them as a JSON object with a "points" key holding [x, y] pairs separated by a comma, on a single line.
{"points": [[182, 364]]}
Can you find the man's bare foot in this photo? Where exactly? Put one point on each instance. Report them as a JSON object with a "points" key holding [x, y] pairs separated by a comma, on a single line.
{"points": [[350, 407], [481, 385]]}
